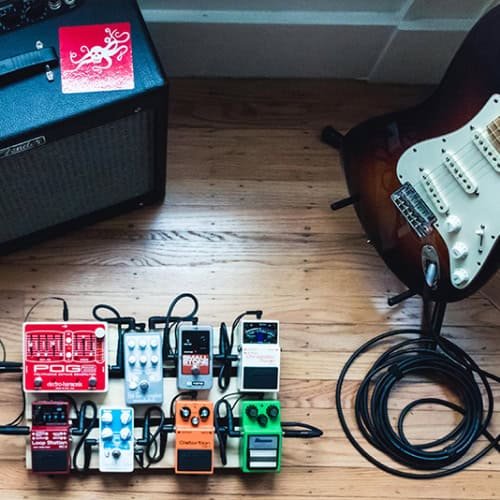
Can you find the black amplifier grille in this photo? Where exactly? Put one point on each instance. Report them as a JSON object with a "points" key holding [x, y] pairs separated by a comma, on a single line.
{"points": [[76, 175]]}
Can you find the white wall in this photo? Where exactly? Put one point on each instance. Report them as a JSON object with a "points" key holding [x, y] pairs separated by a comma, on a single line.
{"points": [[379, 40]]}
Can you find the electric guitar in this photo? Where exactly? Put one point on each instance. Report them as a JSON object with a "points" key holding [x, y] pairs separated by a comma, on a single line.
{"points": [[426, 182]]}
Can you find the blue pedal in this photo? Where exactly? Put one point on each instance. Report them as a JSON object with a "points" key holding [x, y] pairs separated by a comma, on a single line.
{"points": [[116, 439], [143, 368]]}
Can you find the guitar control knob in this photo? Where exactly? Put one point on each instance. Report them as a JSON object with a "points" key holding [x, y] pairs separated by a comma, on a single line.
{"points": [[453, 224], [459, 250], [460, 277]]}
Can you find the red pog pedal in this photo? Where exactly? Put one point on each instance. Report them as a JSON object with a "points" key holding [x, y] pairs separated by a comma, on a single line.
{"points": [[65, 357]]}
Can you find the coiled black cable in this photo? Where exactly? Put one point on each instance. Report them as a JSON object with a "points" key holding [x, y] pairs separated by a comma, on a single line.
{"points": [[435, 358]]}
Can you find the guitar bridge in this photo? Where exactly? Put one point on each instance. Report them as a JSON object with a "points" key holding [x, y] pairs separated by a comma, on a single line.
{"points": [[413, 208]]}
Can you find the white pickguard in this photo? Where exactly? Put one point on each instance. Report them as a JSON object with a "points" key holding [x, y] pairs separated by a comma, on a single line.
{"points": [[468, 203]]}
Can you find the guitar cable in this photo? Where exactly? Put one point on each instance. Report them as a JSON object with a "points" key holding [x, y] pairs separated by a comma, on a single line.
{"points": [[438, 359]]}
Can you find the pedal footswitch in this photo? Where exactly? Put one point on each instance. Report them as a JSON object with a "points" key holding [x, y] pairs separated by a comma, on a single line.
{"points": [[65, 357], [116, 439], [194, 364], [260, 354], [50, 443], [143, 368], [261, 436], [194, 437]]}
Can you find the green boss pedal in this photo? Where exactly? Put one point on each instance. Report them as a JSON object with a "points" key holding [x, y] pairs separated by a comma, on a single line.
{"points": [[261, 436]]}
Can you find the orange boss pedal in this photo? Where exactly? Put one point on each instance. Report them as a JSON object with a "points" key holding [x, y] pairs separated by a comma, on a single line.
{"points": [[194, 437]]}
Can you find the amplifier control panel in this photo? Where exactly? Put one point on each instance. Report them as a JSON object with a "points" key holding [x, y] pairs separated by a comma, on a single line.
{"points": [[15, 14]]}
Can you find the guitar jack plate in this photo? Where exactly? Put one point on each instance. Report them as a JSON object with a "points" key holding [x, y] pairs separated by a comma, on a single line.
{"points": [[430, 266]]}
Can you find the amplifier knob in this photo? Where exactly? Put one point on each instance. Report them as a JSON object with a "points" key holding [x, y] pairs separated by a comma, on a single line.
{"points": [[54, 4]]}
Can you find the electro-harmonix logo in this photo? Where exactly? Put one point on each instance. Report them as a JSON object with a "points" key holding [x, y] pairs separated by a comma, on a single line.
{"points": [[22, 147]]}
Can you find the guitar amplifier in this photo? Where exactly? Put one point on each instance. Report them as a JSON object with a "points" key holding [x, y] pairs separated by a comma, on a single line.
{"points": [[83, 116]]}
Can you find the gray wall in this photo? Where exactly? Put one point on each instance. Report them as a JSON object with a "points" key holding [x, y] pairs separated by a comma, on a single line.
{"points": [[379, 40]]}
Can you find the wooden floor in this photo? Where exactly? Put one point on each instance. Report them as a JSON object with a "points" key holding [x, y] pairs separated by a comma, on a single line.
{"points": [[247, 224]]}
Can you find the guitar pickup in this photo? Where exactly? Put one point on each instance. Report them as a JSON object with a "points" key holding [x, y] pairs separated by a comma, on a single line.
{"points": [[434, 193], [457, 170], [487, 149]]}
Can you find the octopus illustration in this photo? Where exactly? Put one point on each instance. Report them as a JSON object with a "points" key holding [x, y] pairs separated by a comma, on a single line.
{"points": [[95, 56]]}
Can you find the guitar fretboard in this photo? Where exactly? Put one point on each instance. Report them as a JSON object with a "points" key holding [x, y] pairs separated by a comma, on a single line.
{"points": [[494, 133]]}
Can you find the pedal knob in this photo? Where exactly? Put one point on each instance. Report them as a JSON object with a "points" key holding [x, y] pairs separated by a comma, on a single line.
{"points": [[262, 419], [155, 360], [132, 360], [453, 224], [143, 360], [460, 277], [107, 417], [107, 433], [132, 386], [252, 411], [100, 333], [144, 385], [142, 344], [204, 412], [154, 343], [185, 412], [125, 434], [116, 453], [195, 421], [459, 250], [131, 344], [272, 411], [125, 417]]}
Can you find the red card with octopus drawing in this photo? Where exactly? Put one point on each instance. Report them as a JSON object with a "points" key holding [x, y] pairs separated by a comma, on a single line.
{"points": [[96, 58]]}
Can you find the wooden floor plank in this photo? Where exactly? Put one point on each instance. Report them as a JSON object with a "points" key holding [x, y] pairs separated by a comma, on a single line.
{"points": [[247, 224]]}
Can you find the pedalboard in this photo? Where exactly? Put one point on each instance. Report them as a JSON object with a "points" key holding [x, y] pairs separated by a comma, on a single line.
{"points": [[194, 437], [260, 355], [143, 368], [65, 357], [50, 438], [261, 436], [195, 358], [116, 439]]}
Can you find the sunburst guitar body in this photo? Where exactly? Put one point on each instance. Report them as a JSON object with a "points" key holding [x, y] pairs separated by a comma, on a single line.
{"points": [[426, 181]]}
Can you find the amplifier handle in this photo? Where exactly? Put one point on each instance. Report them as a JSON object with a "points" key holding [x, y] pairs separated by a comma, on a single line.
{"points": [[27, 63]]}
